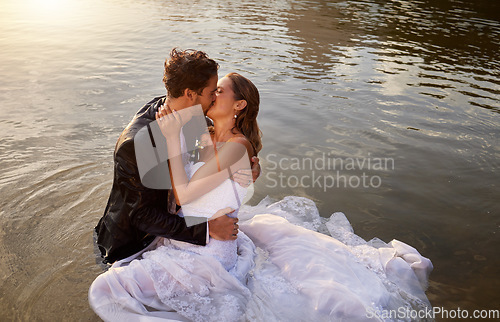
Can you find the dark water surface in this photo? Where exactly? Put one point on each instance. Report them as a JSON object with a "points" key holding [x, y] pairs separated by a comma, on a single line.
{"points": [[415, 83]]}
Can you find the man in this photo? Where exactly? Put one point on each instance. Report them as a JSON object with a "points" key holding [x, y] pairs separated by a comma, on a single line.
{"points": [[135, 215]]}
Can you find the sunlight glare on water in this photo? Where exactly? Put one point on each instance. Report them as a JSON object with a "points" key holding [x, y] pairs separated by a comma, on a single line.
{"points": [[44, 12]]}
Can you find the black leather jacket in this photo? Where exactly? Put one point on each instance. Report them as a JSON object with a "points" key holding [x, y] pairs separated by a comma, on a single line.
{"points": [[135, 214]]}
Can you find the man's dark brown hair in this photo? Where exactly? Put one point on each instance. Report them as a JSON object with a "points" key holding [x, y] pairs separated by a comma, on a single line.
{"points": [[188, 69]]}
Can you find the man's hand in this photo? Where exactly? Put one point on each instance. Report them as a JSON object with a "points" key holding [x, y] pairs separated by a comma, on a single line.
{"points": [[223, 227], [255, 168]]}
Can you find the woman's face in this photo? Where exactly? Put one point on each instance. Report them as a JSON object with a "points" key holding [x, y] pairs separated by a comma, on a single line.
{"points": [[224, 101]]}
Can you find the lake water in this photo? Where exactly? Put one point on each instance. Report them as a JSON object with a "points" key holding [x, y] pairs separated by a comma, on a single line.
{"points": [[394, 105]]}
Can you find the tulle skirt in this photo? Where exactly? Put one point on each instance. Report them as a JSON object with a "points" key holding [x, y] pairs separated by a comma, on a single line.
{"points": [[291, 265]]}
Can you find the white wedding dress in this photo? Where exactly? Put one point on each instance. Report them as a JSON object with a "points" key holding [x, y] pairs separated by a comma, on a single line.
{"points": [[287, 264]]}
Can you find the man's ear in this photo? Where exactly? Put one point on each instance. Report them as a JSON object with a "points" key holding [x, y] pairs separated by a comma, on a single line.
{"points": [[190, 94], [241, 104]]}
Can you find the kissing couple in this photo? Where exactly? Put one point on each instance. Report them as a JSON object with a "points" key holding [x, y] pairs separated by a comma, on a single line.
{"points": [[172, 242]]}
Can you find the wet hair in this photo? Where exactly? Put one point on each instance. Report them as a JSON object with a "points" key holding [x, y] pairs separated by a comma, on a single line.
{"points": [[246, 120], [188, 69]]}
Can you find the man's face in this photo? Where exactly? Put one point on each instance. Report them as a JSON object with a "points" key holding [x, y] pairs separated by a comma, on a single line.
{"points": [[207, 97]]}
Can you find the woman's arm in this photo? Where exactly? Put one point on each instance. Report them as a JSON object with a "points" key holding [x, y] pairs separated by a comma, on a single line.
{"points": [[232, 157]]}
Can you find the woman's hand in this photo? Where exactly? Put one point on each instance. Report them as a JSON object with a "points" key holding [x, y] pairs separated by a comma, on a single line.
{"points": [[245, 177], [169, 121]]}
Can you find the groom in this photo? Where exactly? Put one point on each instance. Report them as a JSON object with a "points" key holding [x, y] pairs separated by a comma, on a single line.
{"points": [[135, 215]]}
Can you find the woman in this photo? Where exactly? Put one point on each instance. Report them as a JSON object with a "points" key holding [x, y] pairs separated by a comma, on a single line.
{"points": [[294, 273]]}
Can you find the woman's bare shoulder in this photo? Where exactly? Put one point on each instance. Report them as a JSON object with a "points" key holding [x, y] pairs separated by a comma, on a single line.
{"points": [[240, 138]]}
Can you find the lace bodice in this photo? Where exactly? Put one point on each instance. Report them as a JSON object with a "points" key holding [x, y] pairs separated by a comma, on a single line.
{"points": [[227, 194]]}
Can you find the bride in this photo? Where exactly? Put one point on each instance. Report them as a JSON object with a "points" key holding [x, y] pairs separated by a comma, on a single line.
{"points": [[279, 268]]}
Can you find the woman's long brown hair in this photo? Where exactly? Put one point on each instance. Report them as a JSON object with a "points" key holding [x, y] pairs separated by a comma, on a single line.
{"points": [[246, 120]]}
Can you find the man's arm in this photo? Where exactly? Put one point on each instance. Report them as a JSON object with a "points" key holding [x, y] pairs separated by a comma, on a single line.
{"points": [[148, 208]]}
